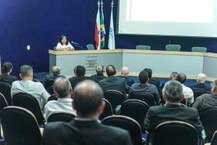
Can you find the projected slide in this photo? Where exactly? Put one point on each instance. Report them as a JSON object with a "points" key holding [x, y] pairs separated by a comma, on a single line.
{"points": [[168, 17], [199, 11]]}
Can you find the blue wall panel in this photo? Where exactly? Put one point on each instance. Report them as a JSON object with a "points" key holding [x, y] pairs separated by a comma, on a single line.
{"points": [[40, 23]]}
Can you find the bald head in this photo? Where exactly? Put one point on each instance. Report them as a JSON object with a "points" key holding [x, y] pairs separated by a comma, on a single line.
{"points": [[201, 78], [62, 87], [124, 71], [88, 99], [56, 70]]}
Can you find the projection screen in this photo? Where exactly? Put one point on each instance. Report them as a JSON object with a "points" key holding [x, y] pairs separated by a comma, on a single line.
{"points": [[168, 17]]}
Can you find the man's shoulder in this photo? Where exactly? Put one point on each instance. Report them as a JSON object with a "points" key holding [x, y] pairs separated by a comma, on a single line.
{"points": [[204, 96]]}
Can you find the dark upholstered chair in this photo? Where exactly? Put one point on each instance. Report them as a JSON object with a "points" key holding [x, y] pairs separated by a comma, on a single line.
{"points": [[126, 123], [3, 102], [198, 93], [135, 109], [29, 102], [61, 116], [175, 133], [214, 138], [116, 98], [20, 127], [208, 118], [5, 89], [144, 96], [107, 110]]}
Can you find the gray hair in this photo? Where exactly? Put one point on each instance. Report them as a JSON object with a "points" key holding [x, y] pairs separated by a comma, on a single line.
{"points": [[173, 91], [26, 70], [201, 78], [62, 87]]}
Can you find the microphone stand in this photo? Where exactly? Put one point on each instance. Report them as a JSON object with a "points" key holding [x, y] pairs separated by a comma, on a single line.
{"points": [[77, 45]]}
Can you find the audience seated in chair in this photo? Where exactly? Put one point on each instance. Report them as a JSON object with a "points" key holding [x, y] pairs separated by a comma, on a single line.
{"points": [[207, 100], [200, 86], [99, 73], [49, 79], [85, 129], [6, 71], [188, 93], [124, 74], [79, 72], [152, 80], [144, 86], [172, 110], [26, 85], [172, 76], [112, 82], [63, 90]]}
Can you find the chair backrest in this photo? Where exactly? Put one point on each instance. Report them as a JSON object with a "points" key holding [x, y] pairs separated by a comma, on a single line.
{"points": [[135, 109], [175, 133], [114, 97], [128, 124], [208, 118], [20, 127], [214, 138], [29, 102], [143, 47], [173, 47], [3, 102], [198, 93], [198, 49], [90, 47], [108, 111], [61, 116], [5, 89], [144, 96]]}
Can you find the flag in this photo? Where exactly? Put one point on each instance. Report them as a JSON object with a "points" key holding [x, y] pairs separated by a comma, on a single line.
{"points": [[97, 29], [102, 27], [111, 41]]}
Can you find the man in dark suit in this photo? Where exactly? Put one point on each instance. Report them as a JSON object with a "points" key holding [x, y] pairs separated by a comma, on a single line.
{"points": [[152, 80], [85, 129], [6, 71], [79, 72], [172, 110], [200, 86], [112, 82], [99, 73], [50, 79], [124, 74], [207, 100]]}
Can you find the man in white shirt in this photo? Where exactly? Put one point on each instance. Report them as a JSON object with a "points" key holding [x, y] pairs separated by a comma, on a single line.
{"points": [[188, 93], [63, 90], [26, 85]]}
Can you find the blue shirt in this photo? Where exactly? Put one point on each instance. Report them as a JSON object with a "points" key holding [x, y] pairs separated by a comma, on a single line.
{"points": [[149, 88]]}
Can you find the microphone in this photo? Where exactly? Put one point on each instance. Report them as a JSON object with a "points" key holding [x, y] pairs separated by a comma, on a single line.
{"points": [[77, 45], [73, 42]]}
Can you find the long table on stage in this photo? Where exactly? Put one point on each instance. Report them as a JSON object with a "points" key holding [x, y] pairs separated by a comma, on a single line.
{"points": [[161, 62]]}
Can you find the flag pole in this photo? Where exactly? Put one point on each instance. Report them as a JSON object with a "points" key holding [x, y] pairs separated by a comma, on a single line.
{"points": [[111, 41], [97, 36], [102, 27]]}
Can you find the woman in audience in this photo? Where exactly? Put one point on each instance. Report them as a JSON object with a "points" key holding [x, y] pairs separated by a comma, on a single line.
{"points": [[63, 44]]}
